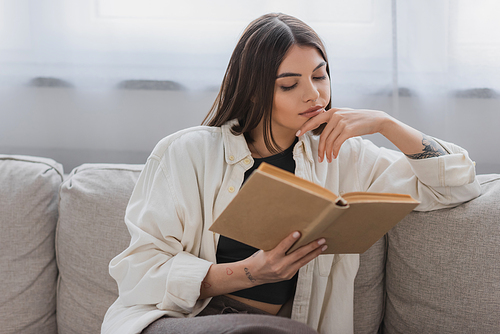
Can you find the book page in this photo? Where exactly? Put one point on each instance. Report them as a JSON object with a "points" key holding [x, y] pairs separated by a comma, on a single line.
{"points": [[295, 180], [367, 197]]}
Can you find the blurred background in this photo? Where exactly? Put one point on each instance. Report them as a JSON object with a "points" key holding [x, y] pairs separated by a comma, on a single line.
{"points": [[105, 80]]}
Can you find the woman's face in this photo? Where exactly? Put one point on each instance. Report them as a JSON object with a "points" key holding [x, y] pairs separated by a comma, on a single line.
{"points": [[301, 90]]}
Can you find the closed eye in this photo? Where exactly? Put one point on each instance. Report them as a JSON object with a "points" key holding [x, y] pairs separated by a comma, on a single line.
{"points": [[287, 88]]}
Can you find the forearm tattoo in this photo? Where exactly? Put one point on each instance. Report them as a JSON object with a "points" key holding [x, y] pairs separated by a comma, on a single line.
{"points": [[250, 277], [431, 149]]}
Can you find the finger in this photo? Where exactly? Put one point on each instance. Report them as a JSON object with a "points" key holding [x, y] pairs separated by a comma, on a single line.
{"points": [[309, 255], [313, 122], [330, 126], [286, 243], [330, 140], [339, 141], [306, 249]]}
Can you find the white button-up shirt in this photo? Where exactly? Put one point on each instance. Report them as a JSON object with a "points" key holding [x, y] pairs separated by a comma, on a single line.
{"points": [[192, 175]]}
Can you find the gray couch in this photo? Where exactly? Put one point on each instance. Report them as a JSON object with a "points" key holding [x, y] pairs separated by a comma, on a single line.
{"points": [[435, 272]]}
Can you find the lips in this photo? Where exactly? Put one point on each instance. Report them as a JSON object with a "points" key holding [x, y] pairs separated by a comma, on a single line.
{"points": [[313, 111]]}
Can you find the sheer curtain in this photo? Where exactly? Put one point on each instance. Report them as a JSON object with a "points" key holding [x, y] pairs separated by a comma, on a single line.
{"points": [[104, 80]]}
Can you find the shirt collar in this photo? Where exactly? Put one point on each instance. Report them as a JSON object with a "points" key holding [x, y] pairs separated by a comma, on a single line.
{"points": [[236, 145], [305, 144]]}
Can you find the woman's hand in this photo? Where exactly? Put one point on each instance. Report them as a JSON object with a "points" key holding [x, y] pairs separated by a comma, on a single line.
{"points": [[275, 265], [262, 267], [342, 124]]}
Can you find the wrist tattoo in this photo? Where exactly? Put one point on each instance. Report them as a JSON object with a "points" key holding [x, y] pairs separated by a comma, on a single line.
{"points": [[431, 149], [206, 285], [249, 276], [229, 271]]}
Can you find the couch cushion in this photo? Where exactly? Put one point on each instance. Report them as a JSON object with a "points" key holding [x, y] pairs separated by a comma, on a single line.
{"points": [[90, 232], [443, 268], [369, 289], [28, 215]]}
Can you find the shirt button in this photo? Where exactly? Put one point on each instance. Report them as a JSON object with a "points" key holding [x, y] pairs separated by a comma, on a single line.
{"points": [[231, 158], [231, 189], [246, 161]]}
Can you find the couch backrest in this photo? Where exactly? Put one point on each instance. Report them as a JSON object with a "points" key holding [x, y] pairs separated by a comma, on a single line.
{"points": [[435, 272], [90, 232], [28, 217], [369, 289]]}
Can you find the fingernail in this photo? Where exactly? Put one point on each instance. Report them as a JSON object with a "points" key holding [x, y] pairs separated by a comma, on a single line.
{"points": [[321, 241], [324, 248], [298, 133], [296, 235]]}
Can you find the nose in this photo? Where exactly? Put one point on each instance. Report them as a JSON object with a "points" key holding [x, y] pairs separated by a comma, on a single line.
{"points": [[311, 92]]}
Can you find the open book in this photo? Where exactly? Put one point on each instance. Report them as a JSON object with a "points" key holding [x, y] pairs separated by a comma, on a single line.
{"points": [[273, 203]]}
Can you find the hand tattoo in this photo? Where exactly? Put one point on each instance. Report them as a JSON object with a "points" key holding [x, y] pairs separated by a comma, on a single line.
{"points": [[431, 149], [250, 277]]}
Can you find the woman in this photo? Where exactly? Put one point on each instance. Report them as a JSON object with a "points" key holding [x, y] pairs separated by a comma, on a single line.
{"points": [[176, 276]]}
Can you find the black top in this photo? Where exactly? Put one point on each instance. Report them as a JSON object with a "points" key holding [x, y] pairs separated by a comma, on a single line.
{"points": [[229, 250]]}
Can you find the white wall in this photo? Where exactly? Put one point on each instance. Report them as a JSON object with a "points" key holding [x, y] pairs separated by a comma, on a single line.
{"points": [[73, 128], [123, 125]]}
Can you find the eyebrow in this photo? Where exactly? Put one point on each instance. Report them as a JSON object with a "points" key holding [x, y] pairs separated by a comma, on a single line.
{"points": [[288, 74]]}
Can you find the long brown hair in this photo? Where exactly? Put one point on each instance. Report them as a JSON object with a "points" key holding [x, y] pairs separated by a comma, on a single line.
{"points": [[247, 90]]}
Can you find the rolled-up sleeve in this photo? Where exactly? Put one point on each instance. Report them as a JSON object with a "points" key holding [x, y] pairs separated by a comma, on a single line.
{"points": [[158, 268], [437, 182], [450, 170], [184, 281]]}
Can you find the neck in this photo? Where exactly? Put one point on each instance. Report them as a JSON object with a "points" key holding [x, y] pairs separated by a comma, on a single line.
{"points": [[258, 146]]}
